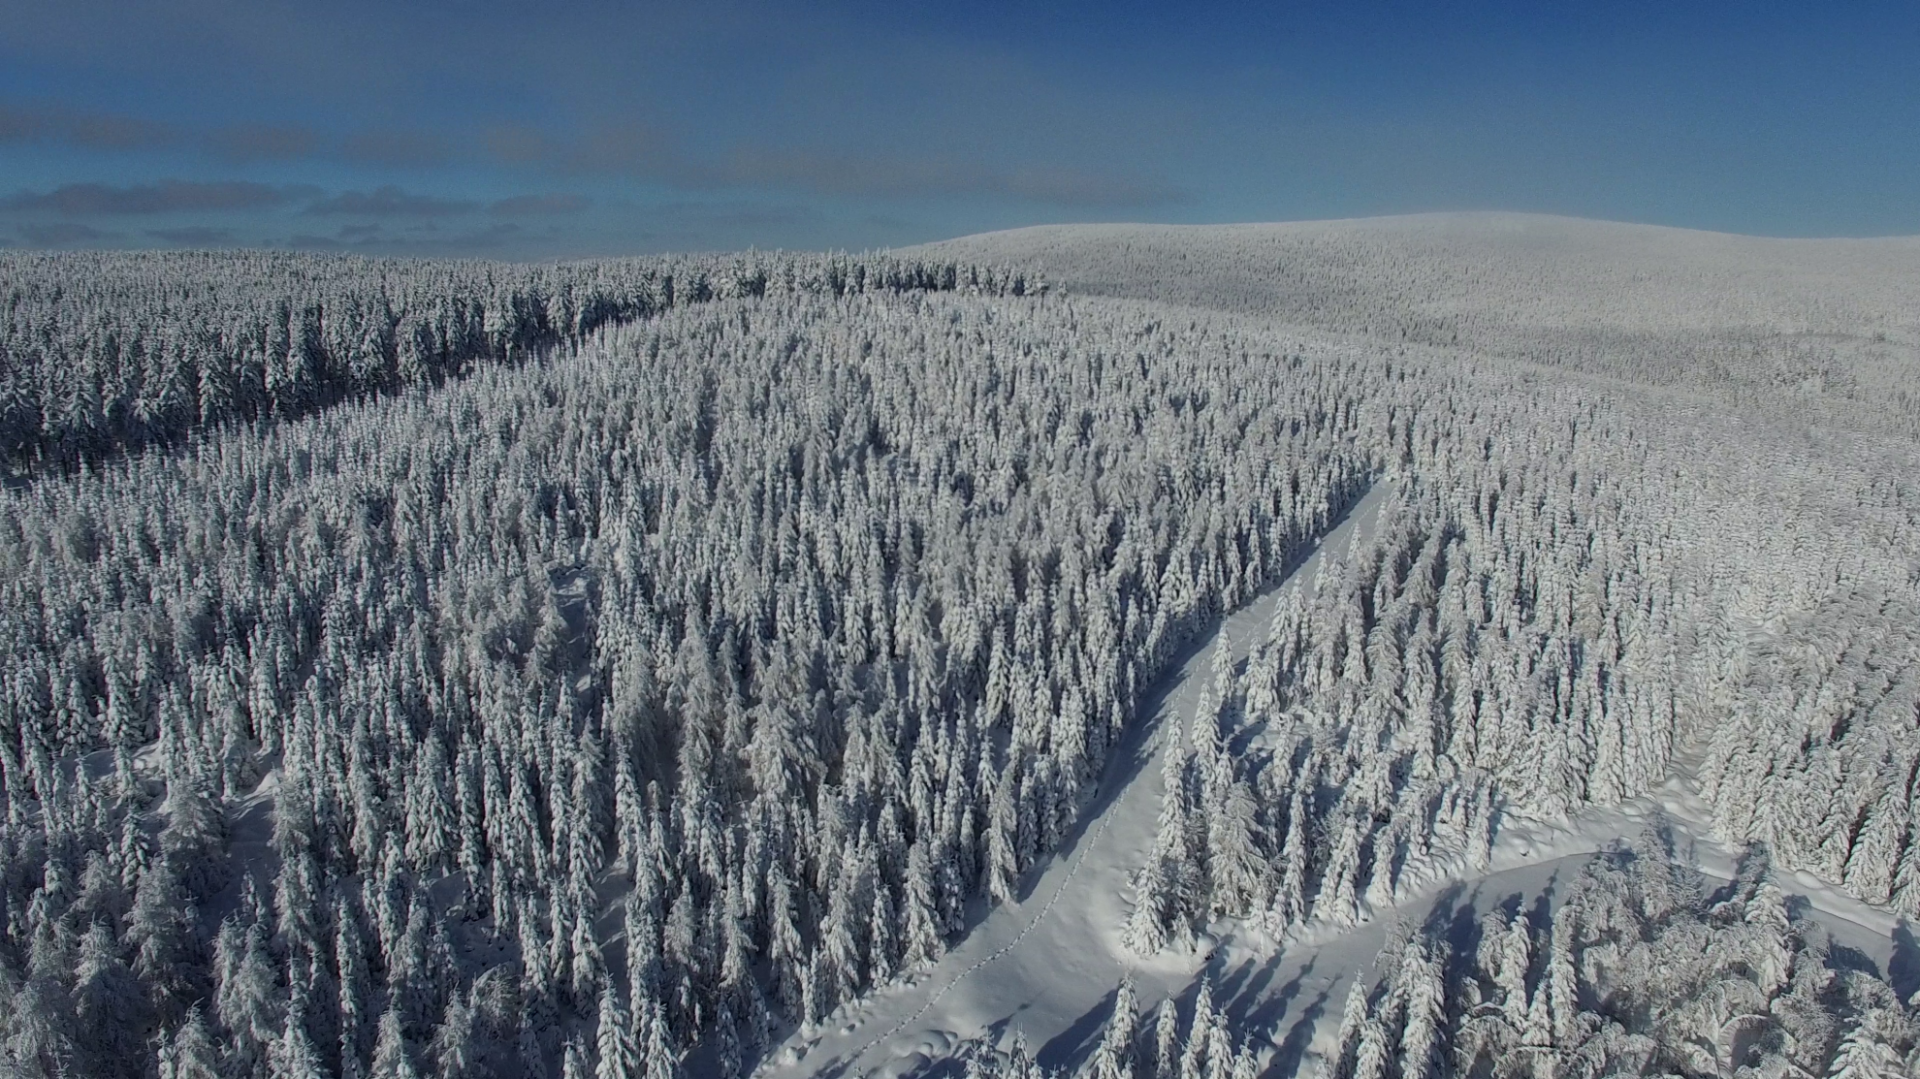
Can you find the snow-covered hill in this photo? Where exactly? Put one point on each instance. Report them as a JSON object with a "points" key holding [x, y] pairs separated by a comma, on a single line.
{"points": [[1783, 326]]}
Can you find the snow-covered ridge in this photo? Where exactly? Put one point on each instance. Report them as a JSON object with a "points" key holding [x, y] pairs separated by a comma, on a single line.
{"points": [[1820, 329]]}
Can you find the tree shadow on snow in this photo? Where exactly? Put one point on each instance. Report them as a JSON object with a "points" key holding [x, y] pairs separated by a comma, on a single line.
{"points": [[1072, 1046], [953, 1064], [1455, 919], [1846, 957], [948, 1067], [1267, 1013], [1541, 916], [1903, 970], [834, 1069], [1238, 995], [1292, 1051]]}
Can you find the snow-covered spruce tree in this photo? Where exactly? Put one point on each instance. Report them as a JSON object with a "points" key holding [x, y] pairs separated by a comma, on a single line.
{"points": [[1114, 1057]]}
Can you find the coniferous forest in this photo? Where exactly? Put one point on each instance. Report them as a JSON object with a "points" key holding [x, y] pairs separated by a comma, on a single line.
{"points": [[638, 668]]}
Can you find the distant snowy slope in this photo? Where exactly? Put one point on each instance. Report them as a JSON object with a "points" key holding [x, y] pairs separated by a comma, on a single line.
{"points": [[1831, 326]]}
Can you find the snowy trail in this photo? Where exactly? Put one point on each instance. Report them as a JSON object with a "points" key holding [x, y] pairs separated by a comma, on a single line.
{"points": [[1047, 964]]}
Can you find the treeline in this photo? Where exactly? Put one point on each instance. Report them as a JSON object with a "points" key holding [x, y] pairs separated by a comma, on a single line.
{"points": [[1821, 331], [619, 707], [102, 351]]}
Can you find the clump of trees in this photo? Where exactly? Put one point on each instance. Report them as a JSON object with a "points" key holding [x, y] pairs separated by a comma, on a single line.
{"points": [[1499, 642], [1642, 966]]}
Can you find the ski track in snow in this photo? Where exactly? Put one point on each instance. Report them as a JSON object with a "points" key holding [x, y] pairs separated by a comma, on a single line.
{"points": [[928, 1027]]}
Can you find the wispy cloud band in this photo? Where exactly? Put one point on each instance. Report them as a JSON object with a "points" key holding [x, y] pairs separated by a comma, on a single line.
{"points": [[633, 150], [167, 196], [228, 196]]}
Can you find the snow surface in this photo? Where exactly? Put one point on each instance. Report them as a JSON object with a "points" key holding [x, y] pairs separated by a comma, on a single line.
{"points": [[1480, 272], [1657, 307]]}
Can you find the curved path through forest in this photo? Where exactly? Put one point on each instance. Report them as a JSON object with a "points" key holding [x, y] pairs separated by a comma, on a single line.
{"points": [[1047, 964]]}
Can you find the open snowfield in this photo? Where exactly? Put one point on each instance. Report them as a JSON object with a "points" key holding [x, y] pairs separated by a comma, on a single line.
{"points": [[1487, 277]]}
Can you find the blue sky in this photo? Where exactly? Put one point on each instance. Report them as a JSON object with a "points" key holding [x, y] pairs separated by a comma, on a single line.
{"points": [[587, 127]]}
